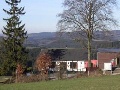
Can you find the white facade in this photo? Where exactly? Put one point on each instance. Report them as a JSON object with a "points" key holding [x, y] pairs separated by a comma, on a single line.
{"points": [[107, 66], [80, 65]]}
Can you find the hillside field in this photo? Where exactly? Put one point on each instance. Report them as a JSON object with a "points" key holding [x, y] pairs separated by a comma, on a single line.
{"points": [[86, 83]]}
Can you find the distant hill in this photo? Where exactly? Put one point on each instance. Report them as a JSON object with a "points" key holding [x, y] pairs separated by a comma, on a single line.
{"points": [[50, 40], [54, 40], [42, 35], [40, 39]]}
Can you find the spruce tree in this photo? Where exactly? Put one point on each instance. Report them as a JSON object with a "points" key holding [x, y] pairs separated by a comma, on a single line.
{"points": [[14, 37]]}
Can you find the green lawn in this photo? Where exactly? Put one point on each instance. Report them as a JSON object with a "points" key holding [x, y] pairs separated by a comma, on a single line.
{"points": [[91, 83]]}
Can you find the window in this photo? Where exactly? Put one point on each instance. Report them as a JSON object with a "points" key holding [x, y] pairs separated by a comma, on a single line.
{"points": [[73, 65]]}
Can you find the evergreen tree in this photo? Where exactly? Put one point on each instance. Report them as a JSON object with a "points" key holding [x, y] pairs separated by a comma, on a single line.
{"points": [[15, 35]]}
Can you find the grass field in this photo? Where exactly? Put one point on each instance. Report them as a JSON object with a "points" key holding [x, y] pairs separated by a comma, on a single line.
{"points": [[87, 83]]}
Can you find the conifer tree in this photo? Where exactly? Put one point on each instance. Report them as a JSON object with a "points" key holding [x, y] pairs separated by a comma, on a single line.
{"points": [[14, 37]]}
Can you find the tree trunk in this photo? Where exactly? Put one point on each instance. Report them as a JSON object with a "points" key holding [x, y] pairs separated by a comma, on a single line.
{"points": [[89, 55]]}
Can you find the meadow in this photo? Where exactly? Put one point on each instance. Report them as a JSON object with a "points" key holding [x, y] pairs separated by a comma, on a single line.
{"points": [[84, 83]]}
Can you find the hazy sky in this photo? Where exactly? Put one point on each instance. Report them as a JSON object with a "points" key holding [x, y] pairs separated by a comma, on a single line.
{"points": [[41, 15]]}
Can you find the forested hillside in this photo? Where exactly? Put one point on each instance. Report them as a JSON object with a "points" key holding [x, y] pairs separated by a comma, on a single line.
{"points": [[54, 40]]}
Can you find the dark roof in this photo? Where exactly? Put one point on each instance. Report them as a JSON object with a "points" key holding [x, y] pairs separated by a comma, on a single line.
{"points": [[109, 50], [67, 54]]}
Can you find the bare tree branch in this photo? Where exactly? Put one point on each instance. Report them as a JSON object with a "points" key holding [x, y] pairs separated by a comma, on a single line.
{"points": [[87, 16]]}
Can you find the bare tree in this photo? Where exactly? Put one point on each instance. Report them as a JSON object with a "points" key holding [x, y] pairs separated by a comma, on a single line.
{"points": [[85, 17], [43, 63]]}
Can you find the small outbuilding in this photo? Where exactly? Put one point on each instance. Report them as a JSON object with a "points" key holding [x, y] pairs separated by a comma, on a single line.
{"points": [[108, 56]]}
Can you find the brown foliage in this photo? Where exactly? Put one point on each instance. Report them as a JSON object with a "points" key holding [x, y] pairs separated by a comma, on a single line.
{"points": [[42, 63]]}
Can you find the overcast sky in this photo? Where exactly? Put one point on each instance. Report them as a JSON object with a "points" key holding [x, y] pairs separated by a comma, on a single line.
{"points": [[41, 15]]}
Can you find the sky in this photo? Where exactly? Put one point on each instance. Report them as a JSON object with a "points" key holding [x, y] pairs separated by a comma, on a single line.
{"points": [[41, 15]]}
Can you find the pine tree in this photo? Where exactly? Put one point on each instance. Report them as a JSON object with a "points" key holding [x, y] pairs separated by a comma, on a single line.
{"points": [[15, 35]]}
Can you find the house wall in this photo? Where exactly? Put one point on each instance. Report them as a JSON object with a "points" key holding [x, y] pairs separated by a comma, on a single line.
{"points": [[103, 57], [80, 66], [94, 63]]}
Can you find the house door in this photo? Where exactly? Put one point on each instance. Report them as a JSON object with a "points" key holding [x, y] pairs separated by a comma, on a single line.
{"points": [[118, 62]]}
